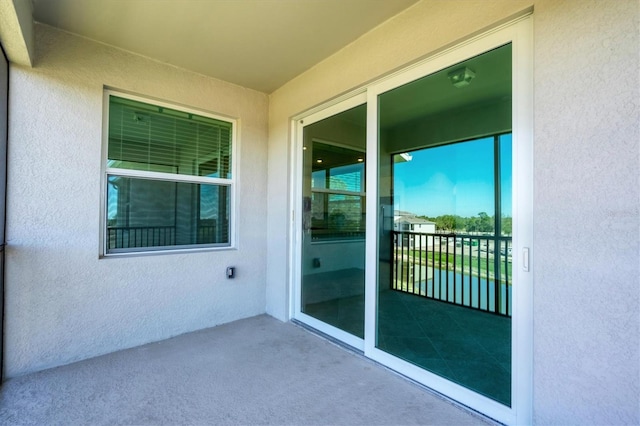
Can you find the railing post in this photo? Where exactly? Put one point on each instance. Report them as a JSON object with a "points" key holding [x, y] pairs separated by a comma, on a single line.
{"points": [[496, 273], [497, 229], [405, 278], [396, 246]]}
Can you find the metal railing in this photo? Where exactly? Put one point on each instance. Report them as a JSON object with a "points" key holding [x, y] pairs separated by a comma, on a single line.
{"points": [[207, 234], [140, 236], [467, 270], [154, 236]]}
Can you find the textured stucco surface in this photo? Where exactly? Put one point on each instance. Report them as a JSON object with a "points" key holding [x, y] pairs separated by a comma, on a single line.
{"points": [[586, 185], [62, 302], [586, 213]]}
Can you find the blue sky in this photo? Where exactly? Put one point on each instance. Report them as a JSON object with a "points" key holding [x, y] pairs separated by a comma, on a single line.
{"points": [[453, 179]]}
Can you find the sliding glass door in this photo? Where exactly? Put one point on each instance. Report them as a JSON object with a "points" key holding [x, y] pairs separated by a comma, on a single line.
{"points": [[445, 253], [332, 206], [445, 302], [414, 199]]}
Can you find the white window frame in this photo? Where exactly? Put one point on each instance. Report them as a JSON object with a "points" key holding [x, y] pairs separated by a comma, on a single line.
{"points": [[327, 191], [298, 124], [106, 171]]}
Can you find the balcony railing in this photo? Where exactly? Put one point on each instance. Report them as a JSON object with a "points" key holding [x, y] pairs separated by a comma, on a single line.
{"points": [[140, 236], [467, 270], [153, 236]]}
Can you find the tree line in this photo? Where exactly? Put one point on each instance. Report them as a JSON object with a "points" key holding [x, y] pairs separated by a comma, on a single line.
{"points": [[482, 222]]}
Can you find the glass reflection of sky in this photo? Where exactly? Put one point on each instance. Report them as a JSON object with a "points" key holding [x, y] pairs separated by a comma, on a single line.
{"points": [[456, 179]]}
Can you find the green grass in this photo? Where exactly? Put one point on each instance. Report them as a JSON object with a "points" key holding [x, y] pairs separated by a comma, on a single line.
{"points": [[462, 263]]}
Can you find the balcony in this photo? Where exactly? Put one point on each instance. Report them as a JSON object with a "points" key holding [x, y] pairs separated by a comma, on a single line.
{"points": [[473, 271], [252, 371]]}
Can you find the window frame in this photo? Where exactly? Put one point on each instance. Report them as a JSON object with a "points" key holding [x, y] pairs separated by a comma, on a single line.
{"points": [[327, 192], [106, 172]]}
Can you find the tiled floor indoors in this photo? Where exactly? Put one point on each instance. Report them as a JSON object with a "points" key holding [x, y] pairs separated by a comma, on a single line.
{"points": [[467, 346]]}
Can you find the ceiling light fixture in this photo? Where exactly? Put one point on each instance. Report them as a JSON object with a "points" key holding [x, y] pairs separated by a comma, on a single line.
{"points": [[461, 77]]}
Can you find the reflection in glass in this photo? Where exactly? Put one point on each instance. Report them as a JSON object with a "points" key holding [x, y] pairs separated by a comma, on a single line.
{"points": [[148, 213], [444, 280], [333, 238], [159, 139], [505, 185]]}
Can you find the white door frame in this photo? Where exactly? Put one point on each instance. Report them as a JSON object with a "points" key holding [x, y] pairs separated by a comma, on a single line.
{"points": [[339, 105], [520, 33]]}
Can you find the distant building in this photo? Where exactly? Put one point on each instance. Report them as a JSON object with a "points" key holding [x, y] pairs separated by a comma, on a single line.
{"points": [[408, 222], [405, 221]]}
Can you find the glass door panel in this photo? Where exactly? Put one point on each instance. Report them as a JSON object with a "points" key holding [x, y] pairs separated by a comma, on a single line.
{"points": [[444, 276], [333, 221]]}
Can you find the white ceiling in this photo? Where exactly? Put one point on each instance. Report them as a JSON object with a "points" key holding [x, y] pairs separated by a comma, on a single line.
{"points": [[259, 44]]}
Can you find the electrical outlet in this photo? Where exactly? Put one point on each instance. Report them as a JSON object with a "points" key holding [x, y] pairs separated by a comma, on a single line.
{"points": [[231, 272]]}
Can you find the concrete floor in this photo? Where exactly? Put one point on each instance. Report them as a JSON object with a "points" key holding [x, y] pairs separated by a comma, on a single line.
{"points": [[253, 371]]}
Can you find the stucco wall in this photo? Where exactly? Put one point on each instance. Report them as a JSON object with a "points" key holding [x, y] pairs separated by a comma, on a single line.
{"points": [[586, 199], [63, 303], [586, 213]]}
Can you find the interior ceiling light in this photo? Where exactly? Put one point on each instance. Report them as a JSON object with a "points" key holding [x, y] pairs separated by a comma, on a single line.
{"points": [[461, 77], [319, 160]]}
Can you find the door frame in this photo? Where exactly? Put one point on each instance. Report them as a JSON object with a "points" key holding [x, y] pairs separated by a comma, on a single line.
{"points": [[4, 138], [336, 107], [519, 33]]}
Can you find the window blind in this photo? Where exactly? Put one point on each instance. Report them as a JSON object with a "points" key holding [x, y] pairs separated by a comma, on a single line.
{"points": [[151, 138]]}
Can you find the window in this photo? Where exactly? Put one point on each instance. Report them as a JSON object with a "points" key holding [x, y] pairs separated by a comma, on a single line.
{"points": [[168, 176], [337, 193]]}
